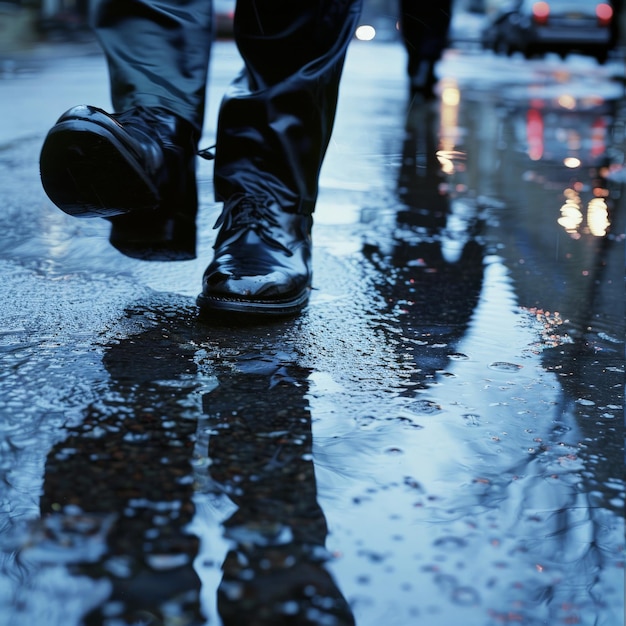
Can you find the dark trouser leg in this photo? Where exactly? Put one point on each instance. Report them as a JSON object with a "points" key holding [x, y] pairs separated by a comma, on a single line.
{"points": [[424, 27], [276, 120], [158, 53]]}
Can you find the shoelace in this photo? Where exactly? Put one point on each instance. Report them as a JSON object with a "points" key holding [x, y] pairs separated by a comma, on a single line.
{"points": [[207, 153], [243, 213]]}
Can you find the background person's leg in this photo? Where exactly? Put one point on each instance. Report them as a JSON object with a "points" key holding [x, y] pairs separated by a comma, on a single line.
{"points": [[276, 120], [424, 26]]}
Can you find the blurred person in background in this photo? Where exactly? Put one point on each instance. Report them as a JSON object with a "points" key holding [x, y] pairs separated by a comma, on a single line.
{"points": [[136, 166], [424, 27]]}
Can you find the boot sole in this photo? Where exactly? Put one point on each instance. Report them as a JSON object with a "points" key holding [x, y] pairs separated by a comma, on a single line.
{"points": [[239, 309], [87, 172]]}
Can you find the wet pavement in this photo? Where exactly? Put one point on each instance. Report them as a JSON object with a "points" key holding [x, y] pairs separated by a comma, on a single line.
{"points": [[438, 439]]}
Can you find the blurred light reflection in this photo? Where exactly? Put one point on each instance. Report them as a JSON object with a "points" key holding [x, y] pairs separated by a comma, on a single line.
{"points": [[571, 213], [451, 96], [567, 101], [534, 134], [598, 217], [451, 160], [571, 217], [598, 137], [571, 162], [365, 33], [447, 165], [449, 115]]}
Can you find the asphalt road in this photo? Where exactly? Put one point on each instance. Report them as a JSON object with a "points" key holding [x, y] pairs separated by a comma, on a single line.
{"points": [[436, 440]]}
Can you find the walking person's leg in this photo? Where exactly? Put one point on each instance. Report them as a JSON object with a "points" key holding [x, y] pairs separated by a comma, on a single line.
{"points": [[274, 127], [424, 27], [137, 166]]}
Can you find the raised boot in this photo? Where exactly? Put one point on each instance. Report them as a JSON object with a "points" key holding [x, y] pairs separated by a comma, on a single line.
{"points": [[135, 168]]}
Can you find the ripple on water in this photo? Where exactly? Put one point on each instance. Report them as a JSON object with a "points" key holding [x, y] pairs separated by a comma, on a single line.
{"points": [[471, 419], [450, 543], [425, 407], [466, 596], [504, 366]]}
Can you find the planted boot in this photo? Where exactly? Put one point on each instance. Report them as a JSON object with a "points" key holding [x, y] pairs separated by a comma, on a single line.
{"points": [[262, 261]]}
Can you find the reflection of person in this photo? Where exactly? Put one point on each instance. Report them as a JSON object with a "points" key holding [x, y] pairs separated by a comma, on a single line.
{"points": [[260, 455], [433, 255], [136, 167], [424, 27], [122, 482]]}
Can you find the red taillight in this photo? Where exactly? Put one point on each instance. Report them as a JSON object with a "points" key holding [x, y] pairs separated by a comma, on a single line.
{"points": [[541, 11], [534, 134], [604, 13], [598, 137]]}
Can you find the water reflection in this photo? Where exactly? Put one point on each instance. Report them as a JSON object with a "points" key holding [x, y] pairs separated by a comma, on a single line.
{"points": [[512, 519], [577, 134], [260, 453], [550, 222], [124, 477], [119, 491], [428, 255], [561, 224], [560, 233]]}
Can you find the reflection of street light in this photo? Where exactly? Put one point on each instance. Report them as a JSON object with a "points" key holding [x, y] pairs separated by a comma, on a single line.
{"points": [[572, 162], [451, 161], [598, 217], [567, 101], [449, 114], [447, 164], [571, 215], [451, 96], [597, 213]]}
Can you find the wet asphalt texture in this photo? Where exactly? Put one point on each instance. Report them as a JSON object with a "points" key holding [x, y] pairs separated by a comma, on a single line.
{"points": [[437, 439]]}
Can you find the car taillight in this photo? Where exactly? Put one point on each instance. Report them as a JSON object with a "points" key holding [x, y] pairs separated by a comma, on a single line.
{"points": [[541, 11], [604, 12], [534, 134]]}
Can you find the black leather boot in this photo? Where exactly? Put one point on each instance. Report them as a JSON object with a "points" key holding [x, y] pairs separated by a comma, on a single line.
{"points": [[135, 168], [262, 262]]}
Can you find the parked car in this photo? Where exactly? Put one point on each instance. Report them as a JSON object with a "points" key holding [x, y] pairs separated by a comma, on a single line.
{"points": [[535, 27]]}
